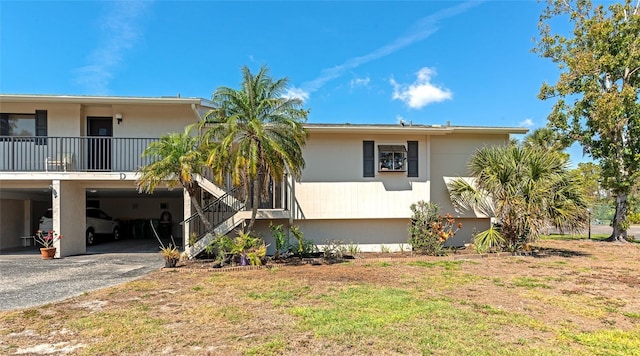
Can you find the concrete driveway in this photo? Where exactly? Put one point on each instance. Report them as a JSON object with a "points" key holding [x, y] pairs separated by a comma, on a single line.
{"points": [[26, 280]]}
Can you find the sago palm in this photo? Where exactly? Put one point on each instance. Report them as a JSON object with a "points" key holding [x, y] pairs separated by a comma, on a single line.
{"points": [[527, 187], [176, 159], [255, 134]]}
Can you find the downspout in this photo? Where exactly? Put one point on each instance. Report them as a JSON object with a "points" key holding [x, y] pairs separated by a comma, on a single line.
{"points": [[195, 111], [292, 208]]}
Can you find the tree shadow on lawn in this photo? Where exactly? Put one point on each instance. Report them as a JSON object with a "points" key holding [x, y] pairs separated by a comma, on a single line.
{"points": [[543, 252]]}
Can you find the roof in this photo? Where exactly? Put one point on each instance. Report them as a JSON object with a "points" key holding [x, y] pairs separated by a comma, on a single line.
{"points": [[91, 99], [410, 129], [396, 129]]}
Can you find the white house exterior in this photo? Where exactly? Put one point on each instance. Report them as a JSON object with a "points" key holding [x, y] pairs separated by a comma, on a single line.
{"points": [[69, 152]]}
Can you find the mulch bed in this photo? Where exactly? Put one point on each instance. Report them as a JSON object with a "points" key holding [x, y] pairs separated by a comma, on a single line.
{"points": [[360, 259]]}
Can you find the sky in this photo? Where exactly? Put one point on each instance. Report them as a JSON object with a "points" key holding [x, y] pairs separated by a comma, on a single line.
{"points": [[359, 62]]}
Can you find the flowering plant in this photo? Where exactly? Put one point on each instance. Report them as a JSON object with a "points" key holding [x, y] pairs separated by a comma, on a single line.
{"points": [[47, 239]]}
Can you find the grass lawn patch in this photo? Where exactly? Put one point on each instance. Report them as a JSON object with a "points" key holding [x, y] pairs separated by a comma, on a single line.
{"points": [[579, 303]]}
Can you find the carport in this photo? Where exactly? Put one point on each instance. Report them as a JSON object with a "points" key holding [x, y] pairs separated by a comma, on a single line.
{"points": [[22, 203]]}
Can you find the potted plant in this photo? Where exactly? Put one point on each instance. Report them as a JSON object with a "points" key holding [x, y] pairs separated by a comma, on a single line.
{"points": [[171, 255], [47, 240], [170, 252]]}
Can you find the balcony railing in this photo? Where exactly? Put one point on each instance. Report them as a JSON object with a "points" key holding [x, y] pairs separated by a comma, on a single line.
{"points": [[72, 154]]}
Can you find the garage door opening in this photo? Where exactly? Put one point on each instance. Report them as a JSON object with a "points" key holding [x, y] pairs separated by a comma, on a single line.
{"points": [[134, 216]]}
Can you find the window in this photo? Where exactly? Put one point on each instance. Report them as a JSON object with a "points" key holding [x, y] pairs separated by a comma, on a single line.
{"points": [[18, 125], [25, 125], [392, 158]]}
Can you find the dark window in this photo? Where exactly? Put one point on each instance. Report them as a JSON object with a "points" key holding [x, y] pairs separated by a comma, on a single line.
{"points": [[24, 125], [412, 158], [368, 159], [392, 158], [18, 124]]}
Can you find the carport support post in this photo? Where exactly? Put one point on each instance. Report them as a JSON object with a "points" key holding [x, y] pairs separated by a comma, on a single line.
{"points": [[68, 204], [186, 199]]}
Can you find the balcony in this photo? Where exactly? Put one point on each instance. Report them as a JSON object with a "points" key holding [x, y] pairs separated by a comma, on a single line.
{"points": [[72, 154]]}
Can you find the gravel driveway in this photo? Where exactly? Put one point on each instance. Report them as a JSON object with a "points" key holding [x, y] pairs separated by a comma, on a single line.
{"points": [[26, 280]]}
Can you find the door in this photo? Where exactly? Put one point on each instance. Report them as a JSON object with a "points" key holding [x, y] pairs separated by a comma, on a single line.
{"points": [[100, 131]]}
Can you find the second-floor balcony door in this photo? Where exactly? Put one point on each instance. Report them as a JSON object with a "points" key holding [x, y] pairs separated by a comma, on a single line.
{"points": [[100, 131]]}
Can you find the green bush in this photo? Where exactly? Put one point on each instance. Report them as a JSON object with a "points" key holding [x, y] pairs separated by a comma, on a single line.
{"points": [[429, 230], [634, 218], [281, 239], [244, 246], [304, 246]]}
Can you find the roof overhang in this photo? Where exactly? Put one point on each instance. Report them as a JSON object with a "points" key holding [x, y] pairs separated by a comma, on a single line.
{"points": [[410, 130], [108, 100]]}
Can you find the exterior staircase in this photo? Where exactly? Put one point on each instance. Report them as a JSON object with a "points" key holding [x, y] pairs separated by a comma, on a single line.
{"points": [[225, 213], [223, 228]]}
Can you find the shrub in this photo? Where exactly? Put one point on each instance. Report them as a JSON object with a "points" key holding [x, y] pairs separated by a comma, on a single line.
{"points": [[634, 218], [488, 240], [429, 230], [353, 249], [281, 239], [243, 249], [333, 249], [305, 246]]}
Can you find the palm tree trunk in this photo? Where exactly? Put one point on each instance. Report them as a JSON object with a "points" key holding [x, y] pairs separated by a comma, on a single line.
{"points": [[255, 204], [203, 218], [619, 233]]}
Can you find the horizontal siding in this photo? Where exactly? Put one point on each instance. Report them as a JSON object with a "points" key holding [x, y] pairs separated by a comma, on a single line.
{"points": [[359, 200]]}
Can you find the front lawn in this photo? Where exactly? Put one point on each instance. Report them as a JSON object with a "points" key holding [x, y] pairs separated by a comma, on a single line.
{"points": [[580, 298]]}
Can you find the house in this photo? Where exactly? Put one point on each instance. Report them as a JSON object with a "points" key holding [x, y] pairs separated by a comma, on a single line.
{"points": [[72, 152]]}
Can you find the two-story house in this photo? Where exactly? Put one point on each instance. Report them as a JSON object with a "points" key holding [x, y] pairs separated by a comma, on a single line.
{"points": [[70, 152]]}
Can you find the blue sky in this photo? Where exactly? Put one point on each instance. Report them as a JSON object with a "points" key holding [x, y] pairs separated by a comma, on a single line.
{"points": [[469, 63]]}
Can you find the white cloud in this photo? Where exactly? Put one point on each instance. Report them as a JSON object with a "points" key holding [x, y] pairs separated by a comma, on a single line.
{"points": [[422, 29], [526, 123], [422, 92], [296, 93], [360, 82], [120, 33]]}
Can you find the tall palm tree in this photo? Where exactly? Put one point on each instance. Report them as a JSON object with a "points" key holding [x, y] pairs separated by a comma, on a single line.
{"points": [[528, 187], [255, 134], [176, 159]]}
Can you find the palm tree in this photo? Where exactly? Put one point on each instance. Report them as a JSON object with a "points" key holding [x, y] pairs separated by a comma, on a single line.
{"points": [[177, 159], [524, 188], [255, 134], [547, 138]]}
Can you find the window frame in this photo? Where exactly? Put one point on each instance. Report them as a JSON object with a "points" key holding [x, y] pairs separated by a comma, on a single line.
{"points": [[398, 158]]}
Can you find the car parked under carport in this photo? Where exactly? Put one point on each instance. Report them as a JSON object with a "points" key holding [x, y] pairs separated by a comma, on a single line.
{"points": [[97, 224]]}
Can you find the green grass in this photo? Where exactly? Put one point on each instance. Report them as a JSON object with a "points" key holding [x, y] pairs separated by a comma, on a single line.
{"points": [[399, 321], [124, 329], [571, 237], [610, 342], [448, 265], [274, 347], [514, 306], [529, 282]]}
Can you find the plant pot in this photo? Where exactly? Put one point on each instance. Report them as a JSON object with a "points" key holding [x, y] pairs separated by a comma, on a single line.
{"points": [[243, 260], [170, 262], [48, 252]]}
